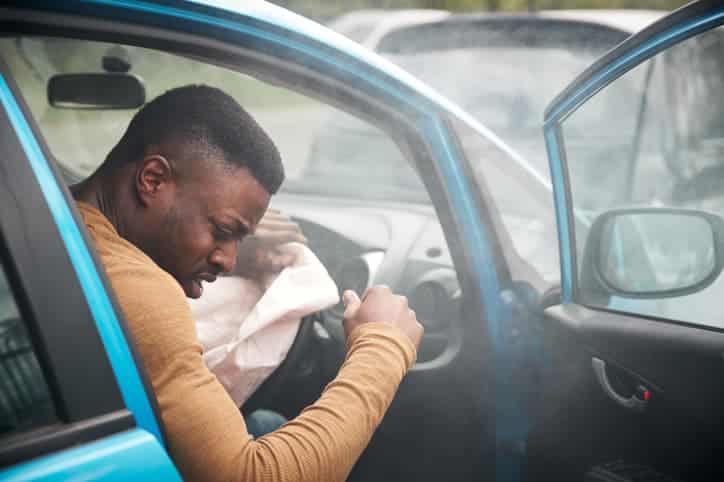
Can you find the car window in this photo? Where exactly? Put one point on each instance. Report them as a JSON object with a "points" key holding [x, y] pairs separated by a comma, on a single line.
{"points": [[323, 148], [25, 401], [504, 71], [522, 198], [655, 138], [350, 185]]}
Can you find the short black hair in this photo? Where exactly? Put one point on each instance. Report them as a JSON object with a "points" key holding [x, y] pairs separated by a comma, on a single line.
{"points": [[208, 118]]}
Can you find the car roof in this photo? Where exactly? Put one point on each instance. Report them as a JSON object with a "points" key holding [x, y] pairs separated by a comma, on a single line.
{"points": [[394, 15], [383, 21], [627, 20]]}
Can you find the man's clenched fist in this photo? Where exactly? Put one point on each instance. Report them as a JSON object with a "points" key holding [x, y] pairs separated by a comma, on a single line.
{"points": [[379, 304]]}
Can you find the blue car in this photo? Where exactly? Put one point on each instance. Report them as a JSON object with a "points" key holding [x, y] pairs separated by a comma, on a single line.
{"points": [[608, 368]]}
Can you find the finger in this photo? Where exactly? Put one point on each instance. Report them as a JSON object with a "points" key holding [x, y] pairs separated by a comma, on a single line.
{"points": [[278, 261], [278, 223], [280, 237], [352, 304], [273, 215]]}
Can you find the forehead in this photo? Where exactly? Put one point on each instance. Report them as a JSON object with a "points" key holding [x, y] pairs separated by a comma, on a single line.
{"points": [[229, 191]]}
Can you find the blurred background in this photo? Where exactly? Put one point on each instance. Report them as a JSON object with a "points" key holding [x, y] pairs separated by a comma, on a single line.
{"points": [[324, 9]]}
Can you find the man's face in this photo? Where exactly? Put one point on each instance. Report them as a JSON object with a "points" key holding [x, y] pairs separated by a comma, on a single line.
{"points": [[199, 234]]}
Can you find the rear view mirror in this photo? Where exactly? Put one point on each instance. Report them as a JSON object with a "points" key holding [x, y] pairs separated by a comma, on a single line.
{"points": [[96, 91], [653, 252]]}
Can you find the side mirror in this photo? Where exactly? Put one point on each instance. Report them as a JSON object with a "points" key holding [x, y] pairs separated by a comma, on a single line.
{"points": [[652, 253], [96, 91]]}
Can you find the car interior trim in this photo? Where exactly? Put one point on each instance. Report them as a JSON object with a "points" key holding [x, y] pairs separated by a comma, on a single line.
{"points": [[52, 438], [560, 194], [129, 455]]}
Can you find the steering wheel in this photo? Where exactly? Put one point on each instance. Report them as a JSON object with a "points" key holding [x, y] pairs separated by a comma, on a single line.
{"points": [[294, 365]]}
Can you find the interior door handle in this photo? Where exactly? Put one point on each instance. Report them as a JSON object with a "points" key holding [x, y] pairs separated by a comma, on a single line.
{"points": [[632, 403]]}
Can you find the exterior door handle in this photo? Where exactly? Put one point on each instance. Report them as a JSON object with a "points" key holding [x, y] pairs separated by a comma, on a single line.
{"points": [[632, 403]]}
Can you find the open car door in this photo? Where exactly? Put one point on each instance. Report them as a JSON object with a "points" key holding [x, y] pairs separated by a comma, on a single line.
{"points": [[636, 148]]}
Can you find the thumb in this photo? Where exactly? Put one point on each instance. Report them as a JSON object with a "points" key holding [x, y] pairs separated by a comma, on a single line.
{"points": [[352, 304], [278, 261]]}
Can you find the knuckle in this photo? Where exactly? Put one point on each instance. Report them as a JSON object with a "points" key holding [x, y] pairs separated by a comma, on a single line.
{"points": [[379, 291]]}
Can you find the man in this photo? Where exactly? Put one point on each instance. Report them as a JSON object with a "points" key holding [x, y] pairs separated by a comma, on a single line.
{"points": [[193, 175]]}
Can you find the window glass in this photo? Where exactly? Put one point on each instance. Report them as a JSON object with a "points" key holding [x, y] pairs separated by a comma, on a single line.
{"points": [[354, 192], [655, 138], [324, 149], [25, 402], [502, 71], [523, 199]]}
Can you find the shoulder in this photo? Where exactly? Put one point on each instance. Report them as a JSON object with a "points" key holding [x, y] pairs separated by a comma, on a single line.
{"points": [[152, 301], [157, 313], [144, 284]]}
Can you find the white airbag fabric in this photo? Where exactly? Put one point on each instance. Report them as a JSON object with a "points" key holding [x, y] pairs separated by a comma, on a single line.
{"points": [[247, 327]]}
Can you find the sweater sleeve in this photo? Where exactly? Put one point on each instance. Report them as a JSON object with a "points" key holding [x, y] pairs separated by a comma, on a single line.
{"points": [[207, 436]]}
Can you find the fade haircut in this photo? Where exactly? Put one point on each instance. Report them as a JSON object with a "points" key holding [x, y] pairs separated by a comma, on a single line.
{"points": [[206, 118]]}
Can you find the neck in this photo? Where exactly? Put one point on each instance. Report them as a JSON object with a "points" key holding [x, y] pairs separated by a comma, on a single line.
{"points": [[100, 192]]}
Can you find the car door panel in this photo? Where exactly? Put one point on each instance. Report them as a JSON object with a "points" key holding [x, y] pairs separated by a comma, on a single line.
{"points": [[643, 389], [133, 454], [679, 363]]}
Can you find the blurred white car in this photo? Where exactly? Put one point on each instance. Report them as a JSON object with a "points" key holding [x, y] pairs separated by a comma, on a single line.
{"points": [[368, 27]]}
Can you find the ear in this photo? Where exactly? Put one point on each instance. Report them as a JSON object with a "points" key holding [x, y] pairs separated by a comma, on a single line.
{"points": [[154, 179]]}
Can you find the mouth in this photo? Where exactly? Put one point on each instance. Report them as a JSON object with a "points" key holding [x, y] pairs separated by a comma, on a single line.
{"points": [[208, 277], [194, 288]]}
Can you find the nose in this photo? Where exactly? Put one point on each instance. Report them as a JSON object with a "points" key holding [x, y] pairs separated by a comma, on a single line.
{"points": [[224, 256]]}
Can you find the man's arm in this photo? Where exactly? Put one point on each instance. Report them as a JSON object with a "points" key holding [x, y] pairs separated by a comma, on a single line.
{"points": [[207, 435]]}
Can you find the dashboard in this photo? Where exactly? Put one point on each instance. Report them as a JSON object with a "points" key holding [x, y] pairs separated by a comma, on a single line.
{"points": [[401, 245]]}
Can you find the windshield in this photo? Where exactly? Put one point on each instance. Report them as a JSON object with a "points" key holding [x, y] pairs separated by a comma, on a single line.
{"points": [[344, 143], [502, 70], [507, 89]]}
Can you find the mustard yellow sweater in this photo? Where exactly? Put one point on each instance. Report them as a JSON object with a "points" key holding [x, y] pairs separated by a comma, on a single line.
{"points": [[207, 437]]}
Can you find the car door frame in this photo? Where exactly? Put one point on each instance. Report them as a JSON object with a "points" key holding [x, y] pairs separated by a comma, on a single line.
{"points": [[678, 361], [93, 427], [684, 23], [462, 218]]}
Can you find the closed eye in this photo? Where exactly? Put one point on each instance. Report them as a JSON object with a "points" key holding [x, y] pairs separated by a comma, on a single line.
{"points": [[223, 233]]}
